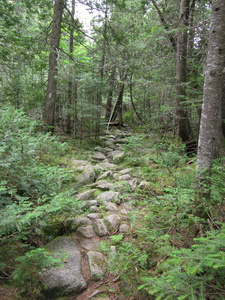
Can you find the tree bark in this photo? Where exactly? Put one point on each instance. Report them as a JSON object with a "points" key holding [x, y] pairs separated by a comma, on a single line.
{"points": [[223, 107], [102, 71], [191, 33], [132, 103], [70, 84], [185, 132], [210, 134], [110, 94], [117, 110], [49, 110], [180, 45]]}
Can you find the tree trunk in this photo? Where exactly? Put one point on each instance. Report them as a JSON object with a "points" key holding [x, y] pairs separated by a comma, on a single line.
{"points": [[185, 132], [223, 107], [132, 102], [166, 26], [49, 110], [191, 31], [70, 84], [102, 71], [210, 135], [117, 111], [110, 94]]}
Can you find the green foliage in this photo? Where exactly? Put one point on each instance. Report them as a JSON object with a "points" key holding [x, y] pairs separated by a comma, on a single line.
{"points": [[164, 257], [116, 238], [34, 190], [28, 270], [191, 273], [23, 151]]}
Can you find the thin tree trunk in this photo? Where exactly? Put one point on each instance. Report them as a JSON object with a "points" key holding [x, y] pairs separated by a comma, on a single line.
{"points": [[110, 94], [102, 69], [49, 109], [70, 84], [185, 132], [191, 33], [166, 26], [132, 103], [117, 111]]}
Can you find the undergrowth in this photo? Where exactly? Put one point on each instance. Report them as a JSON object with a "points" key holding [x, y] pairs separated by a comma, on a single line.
{"points": [[33, 194], [170, 253]]}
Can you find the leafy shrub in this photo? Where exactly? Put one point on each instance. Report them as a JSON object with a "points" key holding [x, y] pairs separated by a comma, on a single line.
{"points": [[23, 148], [33, 189], [162, 257], [191, 273], [27, 272]]}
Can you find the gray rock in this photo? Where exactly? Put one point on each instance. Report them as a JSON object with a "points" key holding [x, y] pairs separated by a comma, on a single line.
{"points": [[111, 136], [124, 177], [88, 176], [97, 265], [77, 163], [117, 156], [107, 166], [110, 144], [86, 195], [74, 223], [112, 222], [89, 244], [100, 228], [107, 150], [105, 186], [111, 139], [109, 196], [144, 185], [128, 205], [106, 175], [111, 206], [120, 141], [125, 171], [102, 137], [98, 156], [86, 231], [94, 184], [91, 202], [93, 216], [98, 149], [124, 228], [94, 208], [68, 279], [113, 250]]}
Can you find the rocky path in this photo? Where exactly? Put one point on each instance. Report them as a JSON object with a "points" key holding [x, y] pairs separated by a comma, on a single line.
{"points": [[106, 197]]}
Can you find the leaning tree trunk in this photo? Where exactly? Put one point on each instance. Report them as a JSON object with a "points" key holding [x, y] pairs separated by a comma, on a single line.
{"points": [[117, 110], [185, 132], [210, 135], [49, 110]]}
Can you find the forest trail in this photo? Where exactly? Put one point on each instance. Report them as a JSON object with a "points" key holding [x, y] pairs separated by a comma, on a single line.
{"points": [[106, 215]]}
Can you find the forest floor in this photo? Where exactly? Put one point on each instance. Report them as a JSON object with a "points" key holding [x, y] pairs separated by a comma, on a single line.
{"points": [[134, 171]]}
